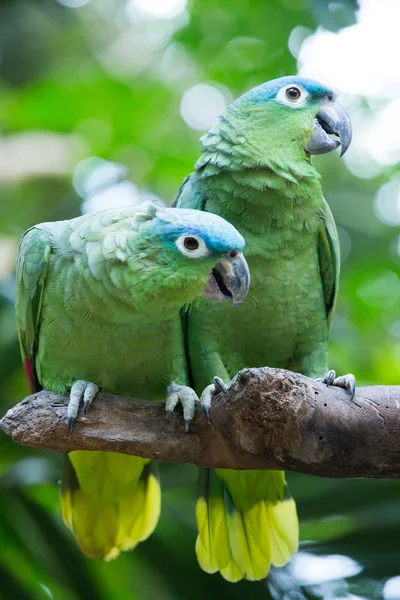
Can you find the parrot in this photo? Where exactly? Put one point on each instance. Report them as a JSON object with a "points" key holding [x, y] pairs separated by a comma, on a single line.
{"points": [[255, 170], [98, 306]]}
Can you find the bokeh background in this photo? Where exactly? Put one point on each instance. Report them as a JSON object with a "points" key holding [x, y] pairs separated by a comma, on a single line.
{"points": [[102, 103]]}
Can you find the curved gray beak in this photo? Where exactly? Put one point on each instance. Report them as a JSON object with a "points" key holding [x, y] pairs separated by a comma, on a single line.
{"points": [[331, 119], [229, 279]]}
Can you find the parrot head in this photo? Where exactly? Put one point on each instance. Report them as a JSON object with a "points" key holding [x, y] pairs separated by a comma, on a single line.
{"points": [[292, 114], [200, 254]]}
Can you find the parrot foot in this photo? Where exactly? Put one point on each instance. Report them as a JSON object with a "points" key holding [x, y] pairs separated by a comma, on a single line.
{"points": [[218, 387], [80, 391], [184, 395], [347, 382]]}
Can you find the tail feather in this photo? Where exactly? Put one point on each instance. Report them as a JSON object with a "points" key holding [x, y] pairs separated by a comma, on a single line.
{"points": [[212, 524], [140, 515], [109, 501], [285, 537], [246, 522]]}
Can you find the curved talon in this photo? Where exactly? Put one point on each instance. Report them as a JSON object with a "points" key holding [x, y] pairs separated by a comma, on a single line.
{"points": [[348, 382], [71, 423], [184, 395], [329, 377], [89, 395], [220, 386], [81, 391], [205, 400]]}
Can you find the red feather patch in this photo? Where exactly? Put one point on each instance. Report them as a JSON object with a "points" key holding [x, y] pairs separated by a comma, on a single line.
{"points": [[30, 374]]}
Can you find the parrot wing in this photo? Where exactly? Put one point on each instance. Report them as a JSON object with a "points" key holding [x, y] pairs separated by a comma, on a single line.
{"points": [[33, 260], [191, 194], [329, 260]]}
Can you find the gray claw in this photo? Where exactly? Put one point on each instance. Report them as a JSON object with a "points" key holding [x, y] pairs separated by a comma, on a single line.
{"points": [[329, 377], [220, 386], [205, 400], [206, 411], [184, 395], [348, 382], [71, 423], [81, 391]]}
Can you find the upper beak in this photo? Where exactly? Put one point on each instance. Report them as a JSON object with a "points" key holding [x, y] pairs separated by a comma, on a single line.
{"points": [[229, 279], [331, 118]]}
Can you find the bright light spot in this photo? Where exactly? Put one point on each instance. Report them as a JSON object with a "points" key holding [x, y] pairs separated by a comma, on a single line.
{"points": [[30, 471], [94, 175], [394, 329], [102, 184], [381, 291], [309, 569], [160, 9], [296, 39], [387, 203], [122, 194], [384, 138], [73, 3], [345, 244], [350, 60], [174, 63], [38, 153], [8, 253], [358, 158], [391, 589], [201, 105]]}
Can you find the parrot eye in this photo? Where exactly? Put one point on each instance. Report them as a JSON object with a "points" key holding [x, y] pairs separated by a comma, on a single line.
{"points": [[190, 243], [293, 93], [192, 246], [294, 96]]}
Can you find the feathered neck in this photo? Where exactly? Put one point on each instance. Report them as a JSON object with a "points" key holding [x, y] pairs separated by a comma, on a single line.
{"points": [[239, 144]]}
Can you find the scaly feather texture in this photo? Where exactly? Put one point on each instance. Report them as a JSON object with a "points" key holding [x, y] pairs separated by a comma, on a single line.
{"points": [[99, 299], [254, 172]]}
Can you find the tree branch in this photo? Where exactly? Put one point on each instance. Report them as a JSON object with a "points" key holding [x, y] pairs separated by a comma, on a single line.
{"points": [[269, 419]]}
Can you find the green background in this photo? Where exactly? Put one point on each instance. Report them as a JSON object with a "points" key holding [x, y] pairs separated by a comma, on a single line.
{"points": [[92, 83]]}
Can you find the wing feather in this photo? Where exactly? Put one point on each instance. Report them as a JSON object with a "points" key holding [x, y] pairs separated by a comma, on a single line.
{"points": [[329, 261], [32, 263]]}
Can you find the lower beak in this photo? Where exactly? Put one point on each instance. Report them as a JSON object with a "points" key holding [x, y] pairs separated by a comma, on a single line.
{"points": [[331, 119], [229, 279]]}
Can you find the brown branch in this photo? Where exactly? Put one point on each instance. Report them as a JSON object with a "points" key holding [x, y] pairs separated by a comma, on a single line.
{"points": [[269, 419]]}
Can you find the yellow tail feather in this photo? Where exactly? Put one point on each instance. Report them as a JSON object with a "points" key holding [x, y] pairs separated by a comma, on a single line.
{"points": [[109, 501], [245, 522], [212, 524]]}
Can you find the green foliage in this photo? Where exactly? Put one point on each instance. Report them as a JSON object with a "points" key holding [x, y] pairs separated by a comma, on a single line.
{"points": [[101, 84]]}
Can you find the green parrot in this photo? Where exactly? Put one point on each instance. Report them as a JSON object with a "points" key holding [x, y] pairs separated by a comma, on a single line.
{"points": [[98, 306], [255, 170]]}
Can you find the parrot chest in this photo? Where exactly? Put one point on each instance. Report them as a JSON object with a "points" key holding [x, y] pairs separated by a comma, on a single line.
{"points": [[284, 310], [284, 314], [108, 347]]}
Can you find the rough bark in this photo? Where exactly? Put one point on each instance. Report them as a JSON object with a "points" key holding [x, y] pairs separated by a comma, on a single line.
{"points": [[269, 419]]}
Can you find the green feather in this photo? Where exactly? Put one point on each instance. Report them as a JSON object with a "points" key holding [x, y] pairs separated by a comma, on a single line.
{"points": [[254, 172], [99, 299]]}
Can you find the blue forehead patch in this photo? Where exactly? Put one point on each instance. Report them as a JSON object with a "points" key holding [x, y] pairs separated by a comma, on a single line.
{"points": [[217, 233], [268, 90]]}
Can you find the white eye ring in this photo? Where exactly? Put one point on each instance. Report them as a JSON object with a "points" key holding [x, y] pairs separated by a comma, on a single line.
{"points": [[186, 240], [296, 102]]}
